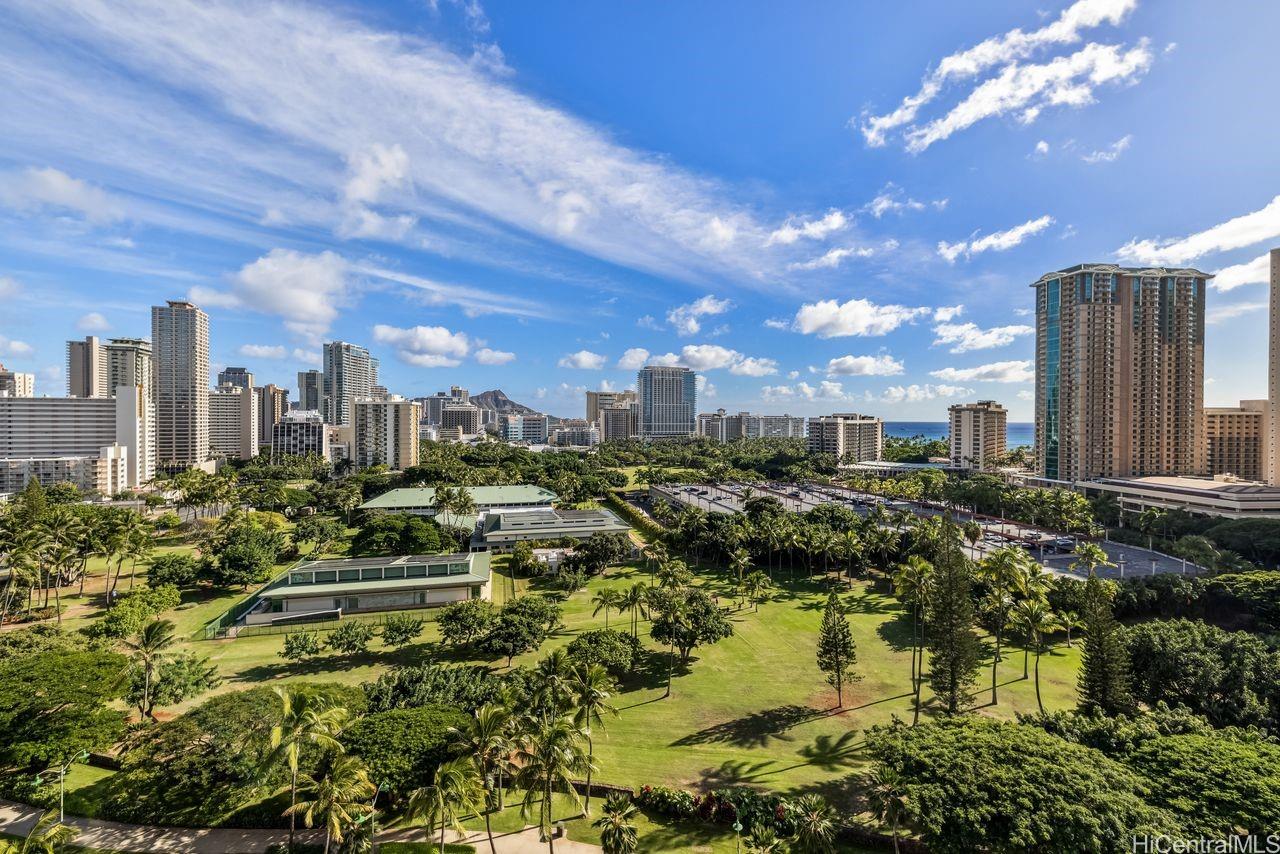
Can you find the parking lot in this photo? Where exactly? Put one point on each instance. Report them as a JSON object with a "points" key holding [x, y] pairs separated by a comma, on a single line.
{"points": [[1053, 550]]}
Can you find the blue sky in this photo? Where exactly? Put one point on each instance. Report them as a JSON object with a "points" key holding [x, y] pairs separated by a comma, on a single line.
{"points": [[819, 206]]}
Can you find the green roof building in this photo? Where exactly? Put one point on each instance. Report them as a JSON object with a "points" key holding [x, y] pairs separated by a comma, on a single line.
{"points": [[422, 501]]}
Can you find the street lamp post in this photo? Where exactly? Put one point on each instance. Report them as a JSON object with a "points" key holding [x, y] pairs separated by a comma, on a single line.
{"points": [[737, 833], [1120, 564], [61, 771]]}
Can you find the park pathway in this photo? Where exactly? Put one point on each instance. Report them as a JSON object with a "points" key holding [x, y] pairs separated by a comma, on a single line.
{"points": [[17, 819]]}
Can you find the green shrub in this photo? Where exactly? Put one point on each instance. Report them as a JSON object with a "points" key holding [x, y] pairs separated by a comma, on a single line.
{"points": [[132, 611], [402, 747]]}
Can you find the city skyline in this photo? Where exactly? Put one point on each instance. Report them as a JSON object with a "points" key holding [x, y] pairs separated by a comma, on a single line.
{"points": [[804, 250]]}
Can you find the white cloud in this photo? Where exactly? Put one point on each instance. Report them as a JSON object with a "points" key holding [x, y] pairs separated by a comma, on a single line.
{"points": [[425, 346], [814, 229], [685, 318], [945, 313], [964, 337], [9, 287], [1255, 272], [1004, 49], [305, 290], [750, 366], [486, 356], [914, 393], [633, 359], [93, 322], [378, 168], [831, 319], [832, 258], [1246, 230], [1016, 371], [706, 357], [777, 323], [583, 360], [892, 199], [826, 390], [883, 365], [13, 347], [307, 357], [1025, 394], [646, 321], [1041, 149], [1111, 153], [36, 189], [262, 351], [1227, 312], [997, 241]]}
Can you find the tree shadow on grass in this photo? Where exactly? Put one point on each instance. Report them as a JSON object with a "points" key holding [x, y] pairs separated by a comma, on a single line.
{"points": [[896, 632], [866, 602], [737, 772], [834, 753], [757, 729], [684, 836], [651, 672]]}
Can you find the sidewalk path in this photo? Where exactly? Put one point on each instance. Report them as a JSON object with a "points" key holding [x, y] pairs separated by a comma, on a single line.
{"points": [[17, 819]]}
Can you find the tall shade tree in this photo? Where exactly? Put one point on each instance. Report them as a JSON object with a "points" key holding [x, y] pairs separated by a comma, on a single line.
{"points": [[335, 799], [617, 825], [1104, 684], [304, 720], [837, 650], [953, 644], [456, 792], [149, 648], [549, 757], [487, 739], [592, 689]]}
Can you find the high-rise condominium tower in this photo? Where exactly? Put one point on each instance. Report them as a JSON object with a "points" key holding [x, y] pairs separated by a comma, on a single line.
{"points": [[848, 436], [87, 369], [1272, 472], [311, 391], [668, 399], [129, 363], [350, 374], [17, 383], [238, 377], [1119, 372], [180, 349], [977, 433], [599, 400]]}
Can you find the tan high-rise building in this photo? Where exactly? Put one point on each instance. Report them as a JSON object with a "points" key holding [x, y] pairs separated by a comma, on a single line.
{"points": [[180, 370], [600, 400], [978, 433], [1119, 372], [619, 422], [129, 364], [850, 437], [87, 374], [233, 422], [1235, 439], [273, 403], [16, 383], [386, 433]]}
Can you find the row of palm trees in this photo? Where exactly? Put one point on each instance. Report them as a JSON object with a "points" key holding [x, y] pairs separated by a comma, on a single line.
{"points": [[51, 552], [541, 750]]}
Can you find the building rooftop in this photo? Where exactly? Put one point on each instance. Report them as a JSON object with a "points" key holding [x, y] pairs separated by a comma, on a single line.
{"points": [[1128, 271], [1196, 486], [483, 496], [477, 573], [552, 521]]}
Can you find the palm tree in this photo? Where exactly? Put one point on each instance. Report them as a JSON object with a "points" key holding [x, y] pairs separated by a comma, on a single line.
{"points": [[852, 545], [1149, 521], [616, 825], [763, 839], [592, 688], [487, 738], [888, 797], [1005, 571], [815, 823], [553, 682], [457, 791], [336, 798], [304, 720], [740, 562], [634, 599], [656, 554], [1070, 622], [606, 600], [1090, 556], [1036, 620], [755, 586], [549, 756], [911, 586], [674, 574], [47, 836], [149, 649]]}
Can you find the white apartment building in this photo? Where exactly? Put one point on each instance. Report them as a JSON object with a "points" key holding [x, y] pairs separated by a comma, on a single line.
{"points": [[105, 474], [723, 427], [180, 351], [523, 428], [233, 422], [668, 399], [300, 433], [16, 383], [575, 432], [386, 433], [978, 432], [46, 428], [851, 437]]}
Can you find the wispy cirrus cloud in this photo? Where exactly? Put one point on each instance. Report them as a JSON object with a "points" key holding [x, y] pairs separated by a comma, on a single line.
{"points": [[1111, 153], [1017, 87], [963, 337], [996, 241], [1236, 233], [1015, 371]]}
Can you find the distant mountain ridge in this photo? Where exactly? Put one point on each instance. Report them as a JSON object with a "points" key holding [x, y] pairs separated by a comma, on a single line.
{"points": [[497, 400]]}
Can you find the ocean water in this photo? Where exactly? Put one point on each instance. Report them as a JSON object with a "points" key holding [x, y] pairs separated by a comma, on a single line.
{"points": [[1019, 432]]}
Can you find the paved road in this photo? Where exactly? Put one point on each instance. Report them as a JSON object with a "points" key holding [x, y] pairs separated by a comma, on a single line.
{"points": [[17, 819]]}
